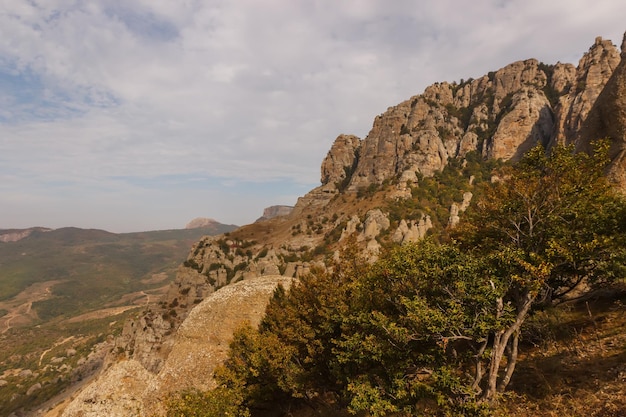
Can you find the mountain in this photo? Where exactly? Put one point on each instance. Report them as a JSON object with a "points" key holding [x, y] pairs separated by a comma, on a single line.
{"points": [[214, 226], [65, 289], [275, 211], [413, 175]]}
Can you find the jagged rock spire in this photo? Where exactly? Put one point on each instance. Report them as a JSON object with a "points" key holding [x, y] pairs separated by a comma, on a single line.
{"points": [[607, 119]]}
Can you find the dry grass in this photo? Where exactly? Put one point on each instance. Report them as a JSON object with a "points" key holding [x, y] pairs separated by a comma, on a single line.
{"points": [[577, 367]]}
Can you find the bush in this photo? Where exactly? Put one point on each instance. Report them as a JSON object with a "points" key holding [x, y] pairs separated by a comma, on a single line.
{"points": [[216, 403]]}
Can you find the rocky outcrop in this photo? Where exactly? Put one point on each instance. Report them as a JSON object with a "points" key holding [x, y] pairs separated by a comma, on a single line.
{"points": [[200, 222], [201, 343], [457, 209], [528, 122], [213, 262], [315, 200], [116, 393], [341, 160], [412, 231], [580, 93], [607, 119], [13, 235], [500, 115], [275, 211]]}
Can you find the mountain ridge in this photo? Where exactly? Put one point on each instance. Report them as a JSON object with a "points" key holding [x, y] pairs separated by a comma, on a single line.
{"points": [[396, 185]]}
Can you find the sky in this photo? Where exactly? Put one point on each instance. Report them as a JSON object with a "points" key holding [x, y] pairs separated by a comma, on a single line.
{"points": [[133, 115]]}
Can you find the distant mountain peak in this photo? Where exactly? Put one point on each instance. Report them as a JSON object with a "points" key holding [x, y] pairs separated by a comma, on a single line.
{"points": [[201, 222], [275, 211]]}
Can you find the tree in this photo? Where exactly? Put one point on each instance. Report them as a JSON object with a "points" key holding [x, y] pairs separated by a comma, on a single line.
{"points": [[434, 328], [290, 358], [417, 327], [549, 226]]}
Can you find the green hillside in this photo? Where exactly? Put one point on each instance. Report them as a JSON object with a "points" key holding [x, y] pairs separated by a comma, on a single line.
{"points": [[66, 290], [92, 267]]}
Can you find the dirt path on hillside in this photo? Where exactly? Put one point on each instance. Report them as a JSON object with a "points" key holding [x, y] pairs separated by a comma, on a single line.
{"points": [[67, 339], [20, 308], [127, 302]]}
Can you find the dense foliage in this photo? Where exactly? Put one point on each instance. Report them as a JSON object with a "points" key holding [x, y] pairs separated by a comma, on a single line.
{"points": [[433, 328]]}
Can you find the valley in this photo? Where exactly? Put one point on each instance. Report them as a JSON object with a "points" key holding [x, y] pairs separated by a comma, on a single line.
{"points": [[19, 309], [417, 235], [64, 295]]}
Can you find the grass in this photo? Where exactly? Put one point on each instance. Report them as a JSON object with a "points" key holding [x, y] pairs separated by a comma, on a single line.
{"points": [[575, 363], [572, 363]]}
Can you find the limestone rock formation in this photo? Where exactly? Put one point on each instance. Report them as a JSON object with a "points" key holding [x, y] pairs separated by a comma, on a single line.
{"points": [[275, 211], [116, 393], [340, 161], [412, 231], [315, 200], [127, 389], [202, 340], [456, 209], [200, 222], [593, 72], [500, 115], [528, 123], [607, 119]]}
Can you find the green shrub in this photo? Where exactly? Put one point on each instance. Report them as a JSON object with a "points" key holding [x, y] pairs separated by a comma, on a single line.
{"points": [[219, 402]]}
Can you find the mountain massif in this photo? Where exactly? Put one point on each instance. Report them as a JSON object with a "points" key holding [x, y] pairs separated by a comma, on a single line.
{"points": [[414, 173]]}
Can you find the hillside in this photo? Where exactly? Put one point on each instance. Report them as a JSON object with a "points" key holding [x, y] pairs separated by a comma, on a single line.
{"points": [[61, 289], [414, 175]]}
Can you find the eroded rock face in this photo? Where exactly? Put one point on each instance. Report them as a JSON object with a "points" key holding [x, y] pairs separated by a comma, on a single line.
{"points": [[580, 93], [116, 393], [528, 123], [275, 211], [500, 115], [607, 119], [127, 389], [457, 209], [340, 160], [412, 230]]}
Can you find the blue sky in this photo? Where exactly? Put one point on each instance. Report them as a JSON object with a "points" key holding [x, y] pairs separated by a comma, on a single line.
{"points": [[131, 115]]}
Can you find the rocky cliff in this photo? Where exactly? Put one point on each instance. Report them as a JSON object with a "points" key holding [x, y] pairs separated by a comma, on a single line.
{"points": [[378, 189], [500, 115], [275, 211], [126, 388], [607, 119]]}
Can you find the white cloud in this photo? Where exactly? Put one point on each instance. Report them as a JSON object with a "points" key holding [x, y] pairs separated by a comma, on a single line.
{"points": [[248, 91]]}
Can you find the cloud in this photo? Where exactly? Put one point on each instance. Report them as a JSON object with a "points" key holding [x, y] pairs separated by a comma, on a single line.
{"points": [[127, 93]]}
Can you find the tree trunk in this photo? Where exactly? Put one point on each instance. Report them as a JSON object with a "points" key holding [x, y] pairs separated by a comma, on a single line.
{"points": [[500, 342], [480, 372], [511, 357]]}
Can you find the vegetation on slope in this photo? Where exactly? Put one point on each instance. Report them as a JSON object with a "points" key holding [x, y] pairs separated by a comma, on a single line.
{"points": [[92, 267], [433, 328], [74, 287]]}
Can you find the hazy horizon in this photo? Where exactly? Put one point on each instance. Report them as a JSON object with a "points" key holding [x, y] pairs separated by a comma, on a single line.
{"points": [[143, 115]]}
